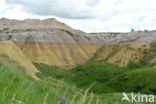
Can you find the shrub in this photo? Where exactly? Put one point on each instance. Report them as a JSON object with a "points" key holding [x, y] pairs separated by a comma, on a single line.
{"points": [[9, 37], [5, 29]]}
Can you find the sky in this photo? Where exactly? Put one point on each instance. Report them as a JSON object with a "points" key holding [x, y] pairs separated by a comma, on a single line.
{"points": [[86, 15]]}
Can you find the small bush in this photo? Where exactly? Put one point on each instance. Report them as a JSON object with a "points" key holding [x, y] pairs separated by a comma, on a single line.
{"points": [[9, 37], [5, 29], [29, 29]]}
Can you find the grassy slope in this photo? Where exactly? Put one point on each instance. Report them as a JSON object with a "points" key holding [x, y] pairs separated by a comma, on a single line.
{"points": [[105, 78], [141, 80], [94, 74], [46, 70], [16, 87]]}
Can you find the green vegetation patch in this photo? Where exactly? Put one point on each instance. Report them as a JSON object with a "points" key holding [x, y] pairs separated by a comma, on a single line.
{"points": [[46, 70], [18, 88], [29, 30], [91, 75], [94, 74], [88, 38], [139, 80], [9, 37], [68, 32], [28, 37], [104, 78], [5, 29]]}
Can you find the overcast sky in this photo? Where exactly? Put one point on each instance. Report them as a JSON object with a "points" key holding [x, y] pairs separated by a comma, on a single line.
{"points": [[87, 15]]}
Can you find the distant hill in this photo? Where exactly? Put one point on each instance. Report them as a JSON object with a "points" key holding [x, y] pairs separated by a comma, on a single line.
{"points": [[55, 43], [132, 55], [50, 41], [129, 49]]}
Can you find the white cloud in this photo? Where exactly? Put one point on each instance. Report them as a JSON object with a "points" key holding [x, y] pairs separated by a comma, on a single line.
{"points": [[87, 15], [61, 8], [3, 6]]}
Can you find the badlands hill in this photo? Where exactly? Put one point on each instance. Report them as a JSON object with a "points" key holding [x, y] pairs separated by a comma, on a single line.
{"points": [[130, 49], [11, 54], [50, 41], [34, 24], [54, 43]]}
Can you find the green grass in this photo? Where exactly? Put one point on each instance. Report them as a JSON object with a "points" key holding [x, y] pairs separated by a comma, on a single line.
{"points": [[140, 80], [18, 88], [105, 78], [94, 74], [91, 75], [46, 70]]}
